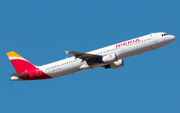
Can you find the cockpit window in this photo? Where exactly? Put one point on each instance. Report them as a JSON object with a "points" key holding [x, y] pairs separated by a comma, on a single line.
{"points": [[164, 34]]}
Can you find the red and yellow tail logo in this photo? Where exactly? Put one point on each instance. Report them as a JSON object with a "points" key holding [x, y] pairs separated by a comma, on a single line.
{"points": [[20, 64]]}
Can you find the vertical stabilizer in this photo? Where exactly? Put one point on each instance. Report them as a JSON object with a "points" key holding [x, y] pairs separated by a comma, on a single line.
{"points": [[20, 64]]}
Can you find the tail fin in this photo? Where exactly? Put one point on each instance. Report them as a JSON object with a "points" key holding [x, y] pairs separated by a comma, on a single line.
{"points": [[20, 64]]}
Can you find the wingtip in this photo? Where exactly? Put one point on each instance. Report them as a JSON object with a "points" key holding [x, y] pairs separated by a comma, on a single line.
{"points": [[67, 52]]}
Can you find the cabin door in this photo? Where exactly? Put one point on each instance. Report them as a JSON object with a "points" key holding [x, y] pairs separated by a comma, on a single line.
{"points": [[39, 73], [122, 48], [155, 39]]}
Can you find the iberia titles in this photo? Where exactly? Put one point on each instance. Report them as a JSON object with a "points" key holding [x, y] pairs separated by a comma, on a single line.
{"points": [[127, 43]]}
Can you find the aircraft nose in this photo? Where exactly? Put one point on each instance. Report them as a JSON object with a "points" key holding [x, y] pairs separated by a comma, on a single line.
{"points": [[171, 38]]}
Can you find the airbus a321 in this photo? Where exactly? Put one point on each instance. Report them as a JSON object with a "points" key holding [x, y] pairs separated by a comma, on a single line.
{"points": [[108, 57]]}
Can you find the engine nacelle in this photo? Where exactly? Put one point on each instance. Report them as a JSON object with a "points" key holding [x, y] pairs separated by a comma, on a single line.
{"points": [[109, 58], [115, 65]]}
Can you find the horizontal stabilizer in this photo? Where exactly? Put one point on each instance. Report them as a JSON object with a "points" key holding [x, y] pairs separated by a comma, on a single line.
{"points": [[18, 74]]}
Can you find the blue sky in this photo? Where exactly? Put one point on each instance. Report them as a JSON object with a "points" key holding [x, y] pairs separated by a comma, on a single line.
{"points": [[40, 31]]}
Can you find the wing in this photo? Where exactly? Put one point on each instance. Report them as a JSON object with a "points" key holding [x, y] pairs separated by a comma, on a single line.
{"points": [[89, 58]]}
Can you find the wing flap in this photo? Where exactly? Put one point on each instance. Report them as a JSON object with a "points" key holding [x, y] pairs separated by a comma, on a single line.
{"points": [[84, 56]]}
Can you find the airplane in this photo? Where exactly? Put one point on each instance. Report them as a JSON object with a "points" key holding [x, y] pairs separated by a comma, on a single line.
{"points": [[108, 57]]}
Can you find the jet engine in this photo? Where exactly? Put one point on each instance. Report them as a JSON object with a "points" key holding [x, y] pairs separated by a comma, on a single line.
{"points": [[109, 58], [115, 65]]}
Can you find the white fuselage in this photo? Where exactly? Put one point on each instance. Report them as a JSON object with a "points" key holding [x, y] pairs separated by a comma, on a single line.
{"points": [[122, 50]]}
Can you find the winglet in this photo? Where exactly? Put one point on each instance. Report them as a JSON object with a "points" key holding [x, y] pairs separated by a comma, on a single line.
{"points": [[67, 52]]}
